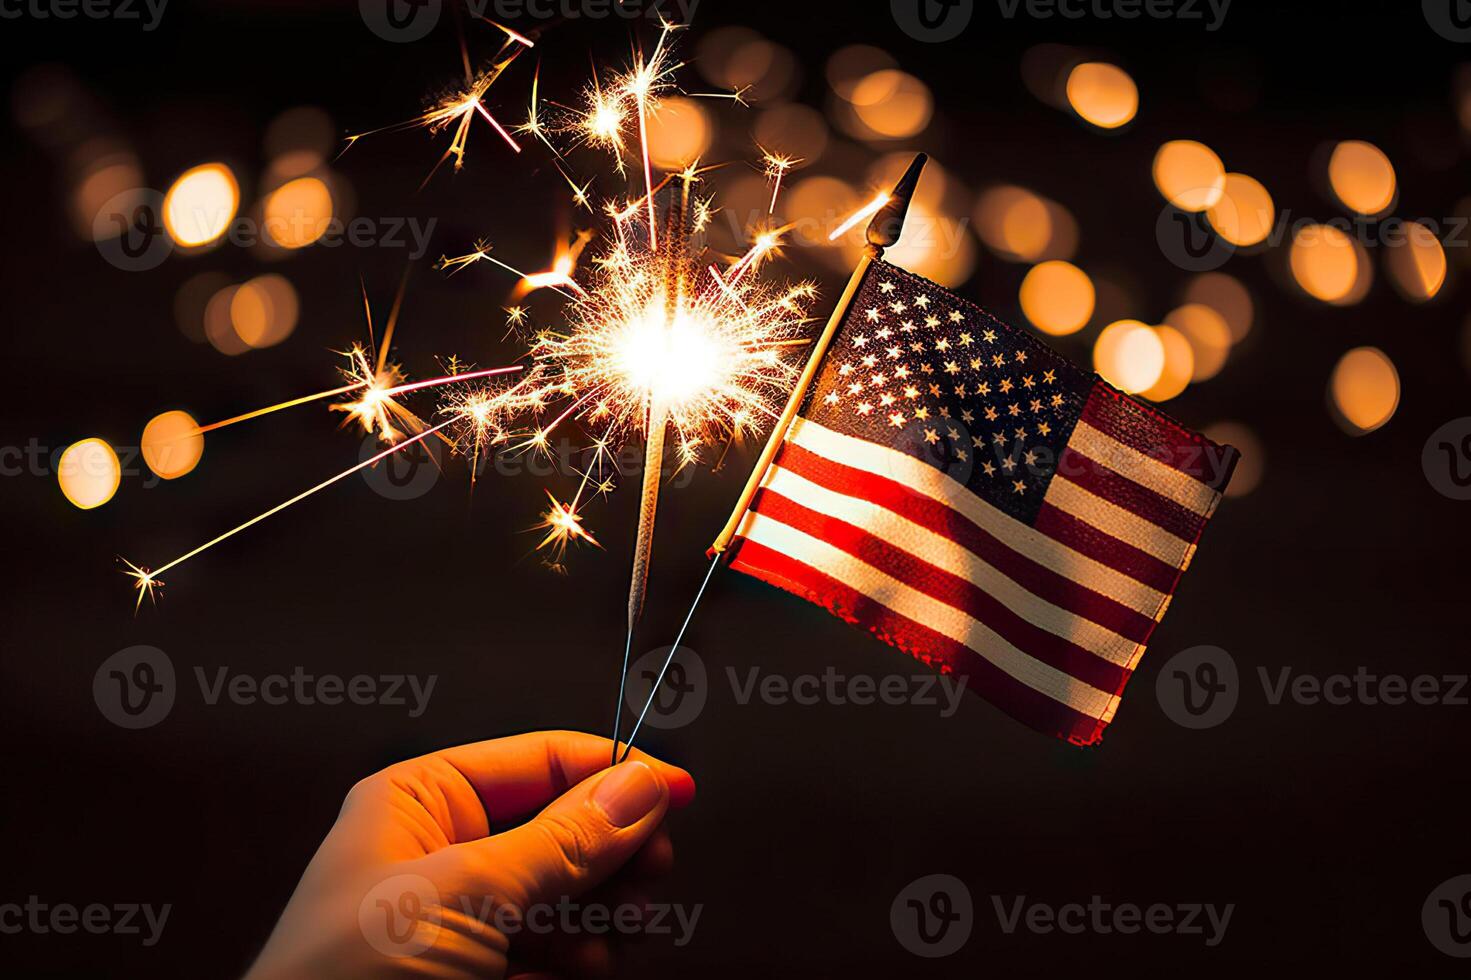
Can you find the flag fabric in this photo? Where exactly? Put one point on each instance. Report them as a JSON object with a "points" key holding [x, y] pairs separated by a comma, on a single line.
{"points": [[971, 497]]}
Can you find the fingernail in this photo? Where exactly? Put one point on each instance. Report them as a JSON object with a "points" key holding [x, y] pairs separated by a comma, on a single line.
{"points": [[628, 792]]}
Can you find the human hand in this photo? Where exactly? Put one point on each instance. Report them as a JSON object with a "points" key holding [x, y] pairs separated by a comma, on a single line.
{"points": [[412, 880]]}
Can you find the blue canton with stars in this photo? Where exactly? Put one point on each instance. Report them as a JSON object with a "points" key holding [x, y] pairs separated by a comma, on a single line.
{"points": [[920, 370]]}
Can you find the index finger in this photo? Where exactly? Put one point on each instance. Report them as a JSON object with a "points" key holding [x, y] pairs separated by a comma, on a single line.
{"points": [[517, 776]]}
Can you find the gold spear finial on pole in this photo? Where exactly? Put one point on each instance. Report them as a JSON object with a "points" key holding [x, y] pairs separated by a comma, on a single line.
{"points": [[883, 232]]}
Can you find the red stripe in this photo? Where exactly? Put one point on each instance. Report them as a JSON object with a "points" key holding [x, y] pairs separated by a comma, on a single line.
{"points": [[1160, 437], [1029, 706], [1136, 498], [953, 590], [1087, 540], [1038, 579]]}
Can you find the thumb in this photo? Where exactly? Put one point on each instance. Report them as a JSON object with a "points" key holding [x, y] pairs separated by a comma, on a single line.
{"points": [[577, 842]]}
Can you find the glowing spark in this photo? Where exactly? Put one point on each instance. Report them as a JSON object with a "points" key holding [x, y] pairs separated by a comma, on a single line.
{"points": [[257, 413], [482, 254], [147, 581], [456, 111], [776, 166], [563, 524], [518, 38], [863, 213]]}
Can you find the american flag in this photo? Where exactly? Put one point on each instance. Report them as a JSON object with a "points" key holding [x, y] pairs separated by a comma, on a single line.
{"points": [[971, 497]]}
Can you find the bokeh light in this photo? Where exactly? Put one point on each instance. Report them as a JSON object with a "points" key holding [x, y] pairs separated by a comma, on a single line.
{"points": [[1057, 297], [263, 311], [1045, 69], [1102, 94], [1189, 174], [1253, 462], [172, 444], [822, 204], [1362, 177], [298, 212], [893, 104], [851, 65], [1021, 226], [200, 204], [1129, 355], [1178, 368], [1208, 335], [219, 328], [1225, 294], [740, 59], [679, 133], [192, 299], [1417, 263], [1329, 265], [107, 195], [1244, 213], [1364, 390], [794, 130], [88, 473], [299, 140]]}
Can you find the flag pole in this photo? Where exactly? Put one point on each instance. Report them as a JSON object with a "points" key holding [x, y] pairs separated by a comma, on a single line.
{"points": [[883, 232]]}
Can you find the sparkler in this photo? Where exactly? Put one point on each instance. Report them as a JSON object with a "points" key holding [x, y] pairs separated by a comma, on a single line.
{"points": [[656, 336], [456, 111]]}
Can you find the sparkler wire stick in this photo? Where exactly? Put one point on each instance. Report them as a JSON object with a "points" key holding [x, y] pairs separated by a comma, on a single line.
{"points": [[658, 418], [883, 232]]}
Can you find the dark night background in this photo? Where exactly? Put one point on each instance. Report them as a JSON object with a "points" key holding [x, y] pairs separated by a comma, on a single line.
{"points": [[1326, 826]]}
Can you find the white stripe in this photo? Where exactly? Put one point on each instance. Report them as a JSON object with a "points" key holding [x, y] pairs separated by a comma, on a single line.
{"points": [[1127, 461], [945, 553], [1115, 521], [930, 613], [940, 487]]}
